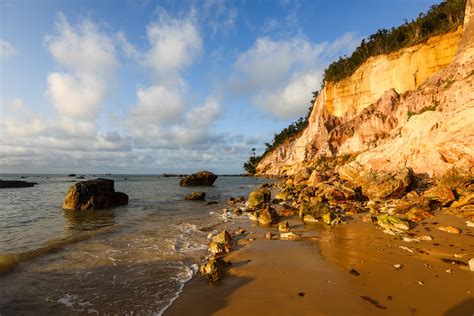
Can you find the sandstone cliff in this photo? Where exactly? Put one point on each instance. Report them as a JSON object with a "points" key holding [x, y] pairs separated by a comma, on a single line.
{"points": [[412, 108]]}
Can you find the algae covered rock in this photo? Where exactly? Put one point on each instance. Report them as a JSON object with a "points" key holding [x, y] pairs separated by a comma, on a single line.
{"points": [[259, 197], [195, 196], [284, 227], [384, 185], [212, 269], [93, 195], [392, 224], [315, 210], [268, 216], [201, 178], [331, 218]]}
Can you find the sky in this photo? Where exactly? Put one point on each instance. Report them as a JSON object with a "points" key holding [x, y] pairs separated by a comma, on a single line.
{"points": [[150, 87]]}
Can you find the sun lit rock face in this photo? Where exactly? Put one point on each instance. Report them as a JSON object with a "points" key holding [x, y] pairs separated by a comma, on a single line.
{"points": [[411, 108], [402, 71]]}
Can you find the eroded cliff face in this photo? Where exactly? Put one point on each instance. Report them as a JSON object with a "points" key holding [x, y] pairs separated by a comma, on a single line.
{"points": [[413, 108]]}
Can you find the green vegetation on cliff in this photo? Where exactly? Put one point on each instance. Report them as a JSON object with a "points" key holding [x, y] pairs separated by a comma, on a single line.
{"points": [[442, 18]]}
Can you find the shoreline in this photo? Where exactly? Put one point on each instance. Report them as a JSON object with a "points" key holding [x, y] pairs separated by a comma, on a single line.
{"points": [[314, 275]]}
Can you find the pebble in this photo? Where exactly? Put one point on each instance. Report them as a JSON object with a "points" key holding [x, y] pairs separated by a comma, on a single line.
{"points": [[289, 236], [459, 255], [449, 229], [471, 264], [428, 265], [450, 271], [269, 235], [406, 248], [420, 282], [425, 238], [470, 224], [408, 239], [398, 266]]}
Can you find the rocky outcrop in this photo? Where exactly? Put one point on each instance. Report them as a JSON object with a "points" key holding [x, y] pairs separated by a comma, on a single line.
{"points": [[201, 178], [259, 197], [412, 108], [93, 195], [195, 196], [6, 184]]}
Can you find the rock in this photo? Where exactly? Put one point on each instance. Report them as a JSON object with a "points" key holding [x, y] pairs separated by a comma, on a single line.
{"points": [[7, 184], [289, 236], [309, 219], [201, 178], [440, 193], [398, 266], [425, 238], [253, 216], [469, 224], [463, 201], [449, 229], [354, 272], [284, 227], [471, 264], [217, 248], [269, 235], [224, 238], [331, 218], [417, 215], [459, 178], [383, 185], [315, 209], [268, 216], [212, 203], [212, 269], [339, 194], [316, 178], [93, 195], [196, 196], [260, 197], [369, 218], [392, 224]]}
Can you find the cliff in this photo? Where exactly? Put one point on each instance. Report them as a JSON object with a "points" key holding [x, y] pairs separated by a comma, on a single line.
{"points": [[412, 108]]}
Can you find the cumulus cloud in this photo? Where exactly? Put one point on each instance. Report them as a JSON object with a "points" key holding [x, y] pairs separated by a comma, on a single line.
{"points": [[88, 58], [6, 49], [279, 75]]}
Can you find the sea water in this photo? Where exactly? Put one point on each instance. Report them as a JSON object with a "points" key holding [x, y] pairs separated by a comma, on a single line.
{"points": [[129, 260]]}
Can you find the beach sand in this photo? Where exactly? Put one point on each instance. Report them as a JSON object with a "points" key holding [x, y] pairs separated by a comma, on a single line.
{"points": [[311, 275]]}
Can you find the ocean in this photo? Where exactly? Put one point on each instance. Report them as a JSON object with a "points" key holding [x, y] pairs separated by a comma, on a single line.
{"points": [[129, 260]]}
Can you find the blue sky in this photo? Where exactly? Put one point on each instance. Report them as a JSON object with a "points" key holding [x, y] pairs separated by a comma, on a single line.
{"points": [[166, 86]]}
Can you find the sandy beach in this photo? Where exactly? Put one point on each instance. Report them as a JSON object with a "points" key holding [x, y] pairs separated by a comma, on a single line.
{"points": [[312, 275]]}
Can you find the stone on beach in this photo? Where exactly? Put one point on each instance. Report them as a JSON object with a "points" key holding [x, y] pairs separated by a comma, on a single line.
{"points": [[449, 229], [196, 196], [201, 178], [315, 209], [93, 195], [284, 227], [289, 236], [259, 197], [212, 269], [268, 216], [383, 185], [392, 224]]}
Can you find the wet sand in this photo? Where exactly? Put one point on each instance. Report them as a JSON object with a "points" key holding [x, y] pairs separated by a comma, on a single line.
{"points": [[311, 275]]}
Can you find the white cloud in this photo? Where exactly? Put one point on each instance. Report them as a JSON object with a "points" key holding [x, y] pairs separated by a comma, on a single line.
{"points": [[158, 104], [6, 49], [88, 57], [279, 75], [82, 49]]}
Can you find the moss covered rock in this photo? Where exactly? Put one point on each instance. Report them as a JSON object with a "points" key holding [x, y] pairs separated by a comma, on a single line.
{"points": [[260, 197]]}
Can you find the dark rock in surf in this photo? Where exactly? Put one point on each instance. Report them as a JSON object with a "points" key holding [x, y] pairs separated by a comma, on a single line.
{"points": [[93, 195], [201, 178], [6, 184], [195, 196]]}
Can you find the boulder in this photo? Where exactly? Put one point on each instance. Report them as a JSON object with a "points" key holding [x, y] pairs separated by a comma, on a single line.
{"points": [[463, 201], [315, 210], [212, 269], [201, 178], [440, 193], [196, 196], [93, 195], [459, 178], [417, 215], [384, 185], [268, 216], [7, 184], [260, 197]]}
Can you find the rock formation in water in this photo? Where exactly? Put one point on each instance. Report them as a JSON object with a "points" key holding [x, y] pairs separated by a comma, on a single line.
{"points": [[413, 108], [201, 178], [93, 195], [6, 184]]}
